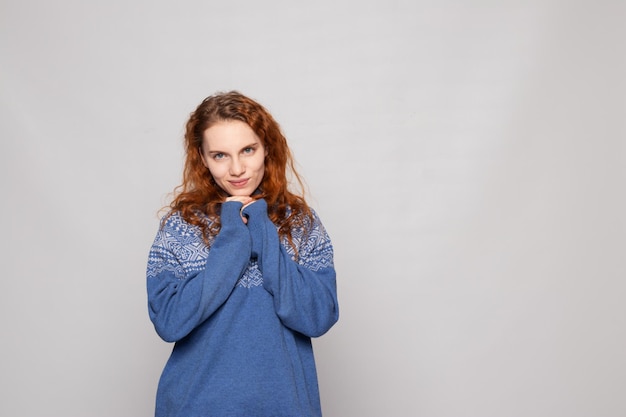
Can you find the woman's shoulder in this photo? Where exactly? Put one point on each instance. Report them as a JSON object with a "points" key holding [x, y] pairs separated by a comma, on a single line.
{"points": [[307, 224], [178, 247], [309, 218], [174, 224]]}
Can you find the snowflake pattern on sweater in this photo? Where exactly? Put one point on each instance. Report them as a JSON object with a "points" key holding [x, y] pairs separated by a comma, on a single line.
{"points": [[180, 249]]}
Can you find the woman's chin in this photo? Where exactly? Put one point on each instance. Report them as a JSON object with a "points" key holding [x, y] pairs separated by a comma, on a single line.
{"points": [[239, 193]]}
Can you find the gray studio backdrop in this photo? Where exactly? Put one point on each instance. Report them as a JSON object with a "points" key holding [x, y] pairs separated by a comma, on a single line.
{"points": [[467, 157]]}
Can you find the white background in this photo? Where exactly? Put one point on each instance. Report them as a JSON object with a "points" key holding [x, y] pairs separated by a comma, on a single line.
{"points": [[467, 157]]}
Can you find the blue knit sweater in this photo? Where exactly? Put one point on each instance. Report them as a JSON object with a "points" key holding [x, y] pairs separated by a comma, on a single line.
{"points": [[242, 313]]}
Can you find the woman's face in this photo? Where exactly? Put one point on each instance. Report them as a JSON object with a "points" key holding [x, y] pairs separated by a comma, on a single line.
{"points": [[235, 157]]}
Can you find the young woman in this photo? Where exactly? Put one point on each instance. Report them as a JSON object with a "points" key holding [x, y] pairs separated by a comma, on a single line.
{"points": [[240, 274]]}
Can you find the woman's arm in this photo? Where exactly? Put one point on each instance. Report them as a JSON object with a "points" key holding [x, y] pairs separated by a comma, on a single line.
{"points": [[180, 299], [305, 292]]}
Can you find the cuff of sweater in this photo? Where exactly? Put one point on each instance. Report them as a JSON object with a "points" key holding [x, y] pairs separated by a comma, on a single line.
{"points": [[256, 214], [230, 214], [256, 209], [257, 218]]}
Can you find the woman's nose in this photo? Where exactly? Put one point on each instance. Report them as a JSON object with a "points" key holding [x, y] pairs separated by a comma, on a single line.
{"points": [[236, 167]]}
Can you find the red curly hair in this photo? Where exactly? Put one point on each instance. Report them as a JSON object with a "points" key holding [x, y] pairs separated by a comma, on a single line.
{"points": [[199, 196]]}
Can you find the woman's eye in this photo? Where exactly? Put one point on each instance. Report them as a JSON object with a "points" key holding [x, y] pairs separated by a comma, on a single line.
{"points": [[218, 156], [248, 150]]}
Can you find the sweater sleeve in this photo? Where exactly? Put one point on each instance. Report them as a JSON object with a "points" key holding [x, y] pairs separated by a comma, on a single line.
{"points": [[181, 292], [304, 292]]}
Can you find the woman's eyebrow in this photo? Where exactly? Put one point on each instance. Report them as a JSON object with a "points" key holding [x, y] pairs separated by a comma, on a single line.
{"points": [[252, 145]]}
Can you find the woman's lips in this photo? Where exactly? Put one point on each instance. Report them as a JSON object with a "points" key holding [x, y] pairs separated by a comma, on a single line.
{"points": [[239, 183]]}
